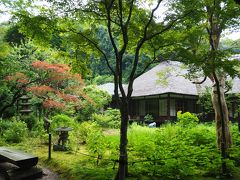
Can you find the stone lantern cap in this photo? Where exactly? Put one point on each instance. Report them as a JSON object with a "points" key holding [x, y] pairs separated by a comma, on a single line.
{"points": [[25, 97], [63, 129]]}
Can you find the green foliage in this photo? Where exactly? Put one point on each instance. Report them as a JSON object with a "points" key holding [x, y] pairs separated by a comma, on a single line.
{"points": [[16, 62], [163, 76], [14, 37], [173, 151], [30, 120], [99, 97], [13, 131], [38, 129], [137, 135], [41, 27], [61, 120], [112, 141], [114, 113], [87, 128], [3, 45], [193, 47], [96, 144], [187, 119], [205, 101], [148, 118], [110, 119], [101, 79], [168, 152], [4, 125]]}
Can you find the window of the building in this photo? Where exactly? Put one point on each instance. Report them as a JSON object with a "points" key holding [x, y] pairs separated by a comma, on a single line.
{"points": [[172, 107], [162, 107], [181, 105], [152, 107]]}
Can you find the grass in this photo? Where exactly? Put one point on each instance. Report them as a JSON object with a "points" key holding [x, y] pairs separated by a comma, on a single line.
{"points": [[69, 165], [80, 164]]}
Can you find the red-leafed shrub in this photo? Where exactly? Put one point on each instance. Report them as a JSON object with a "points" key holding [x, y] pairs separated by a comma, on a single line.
{"points": [[53, 83]]}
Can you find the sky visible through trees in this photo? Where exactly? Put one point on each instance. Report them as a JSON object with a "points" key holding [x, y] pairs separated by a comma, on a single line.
{"points": [[5, 16]]}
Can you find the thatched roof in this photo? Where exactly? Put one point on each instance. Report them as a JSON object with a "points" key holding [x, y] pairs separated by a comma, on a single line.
{"points": [[172, 80]]}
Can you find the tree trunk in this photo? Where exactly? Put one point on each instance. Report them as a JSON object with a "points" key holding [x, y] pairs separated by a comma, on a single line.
{"points": [[15, 97], [217, 110], [123, 158], [4, 108]]}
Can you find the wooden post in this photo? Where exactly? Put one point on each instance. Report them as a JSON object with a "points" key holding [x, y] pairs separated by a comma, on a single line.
{"points": [[49, 145], [18, 110]]}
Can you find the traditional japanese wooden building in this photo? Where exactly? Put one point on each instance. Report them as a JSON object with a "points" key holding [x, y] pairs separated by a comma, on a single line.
{"points": [[164, 90]]}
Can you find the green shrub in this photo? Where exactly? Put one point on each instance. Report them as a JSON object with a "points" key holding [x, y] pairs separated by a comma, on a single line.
{"points": [[112, 144], [96, 144], [16, 132], [148, 118], [137, 135], [4, 125], [173, 151], [113, 113], [30, 120], [38, 129], [187, 119], [86, 128], [110, 119], [202, 134], [100, 99]]}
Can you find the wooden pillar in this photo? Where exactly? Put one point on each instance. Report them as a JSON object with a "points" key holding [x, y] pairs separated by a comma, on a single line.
{"points": [[185, 104], [168, 106]]}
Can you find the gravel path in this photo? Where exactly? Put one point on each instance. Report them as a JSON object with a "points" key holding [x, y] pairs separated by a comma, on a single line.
{"points": [[48, 175]]}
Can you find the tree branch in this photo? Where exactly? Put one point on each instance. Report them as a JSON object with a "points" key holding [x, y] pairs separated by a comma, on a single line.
{"points": [[97, 47], [150, 19], [169, 26], [205, 78], [139, 45], [108, 8]]}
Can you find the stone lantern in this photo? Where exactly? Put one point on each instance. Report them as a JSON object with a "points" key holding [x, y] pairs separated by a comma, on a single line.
{"points": [[63, 139]]}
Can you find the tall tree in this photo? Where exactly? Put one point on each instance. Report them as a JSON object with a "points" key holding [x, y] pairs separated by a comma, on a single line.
{"points": [[201, 47]]}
